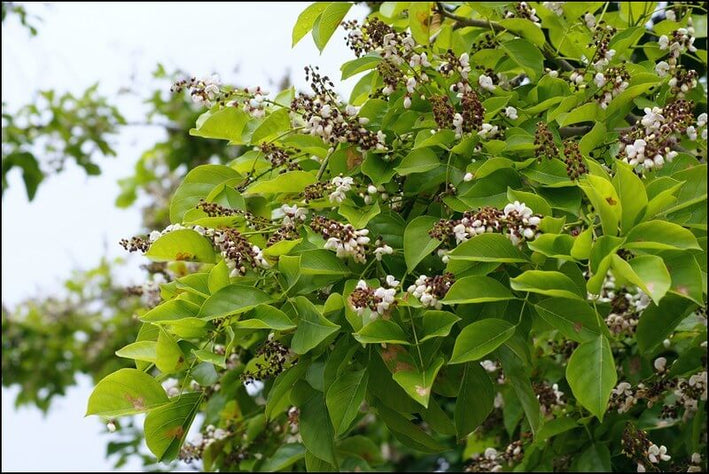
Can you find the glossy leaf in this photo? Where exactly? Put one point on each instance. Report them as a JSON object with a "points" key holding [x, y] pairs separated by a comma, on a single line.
{"points": [[166, 427], [478, 339], [313, 327], [126, 392], [476, 289], [182, 244], [591, 375], [344, 398]]}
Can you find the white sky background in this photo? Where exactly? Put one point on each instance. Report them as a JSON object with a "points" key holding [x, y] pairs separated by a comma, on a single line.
{"points": [[73, 221]]}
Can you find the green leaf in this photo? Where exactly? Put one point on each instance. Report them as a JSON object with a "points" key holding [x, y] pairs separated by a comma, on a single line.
{"points": [[686, 276], [554, 245], [211, 357], [417, 243], [196, 185], [646, 271], [525, 55], [381, 331], [171, 310], [575, 319], [593, 139], [344, 398], [277, 399], [420, 21], [218, 277], [586, 113], [478, 339], [517, 375], [140, 350], [596, 458], [418, 384], [225, 124], [437, 324], [274, 125], [306, 20], [314, 423], [476, 289], [355, 66], [419, 160], [581, 250], [328, 21], [170, 358], [475, 400], [526, 29], [658, 321], [548, 283], [126, 392], [266, 317], [359, 216], [538, 204], [286, 455], [166, 427], [282, 247], [605, 200], [232, 299], [313, 327], [408, 433], [488, 247], [660, 235], [182, 244], [289, 182], [632, 194], [591, 375], [555, 427]]}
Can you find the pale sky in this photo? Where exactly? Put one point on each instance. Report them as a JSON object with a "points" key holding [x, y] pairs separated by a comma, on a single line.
{"points": [[73, 222]]}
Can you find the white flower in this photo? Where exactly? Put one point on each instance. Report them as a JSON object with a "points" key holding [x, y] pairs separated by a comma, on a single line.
{"points": [[590, 21], [155, 235], [670, 15], [379, 252], [490, 453], [220, 433], [486, 83], [664, 42], [111, 426], [391, 281], [657, 454], [511, 113], [253, 387], [468, 177], [702, 119], [641, 468], [407, 102], [660, 364], [554, 7], [411, 84], [662, 68], [692, 133], [599, 79]]}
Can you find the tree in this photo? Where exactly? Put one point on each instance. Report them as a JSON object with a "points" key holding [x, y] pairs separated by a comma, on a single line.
{"points": [[492, 256]]}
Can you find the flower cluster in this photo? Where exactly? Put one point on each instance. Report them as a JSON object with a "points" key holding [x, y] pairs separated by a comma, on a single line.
{"points": [[430, 290], [648, 144], [691, 391], [471, 116], [611, 83], [549, 396], [575, 164], [323, 117], [276, 358], [344, 239], [640, 449], [544, 145], [375, 35], [382, 249], [279, 157], [239, 254], [194, 449], [293, 214], [341, 185], [378, 300], [516, 220], [679, 41], [523, 10], [135, 244], [452, 63], [492, 460], [203, 91], [603, 55]]}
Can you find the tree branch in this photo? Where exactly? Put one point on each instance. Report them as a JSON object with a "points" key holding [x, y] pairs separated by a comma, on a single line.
{"points": [[547, 50]]}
